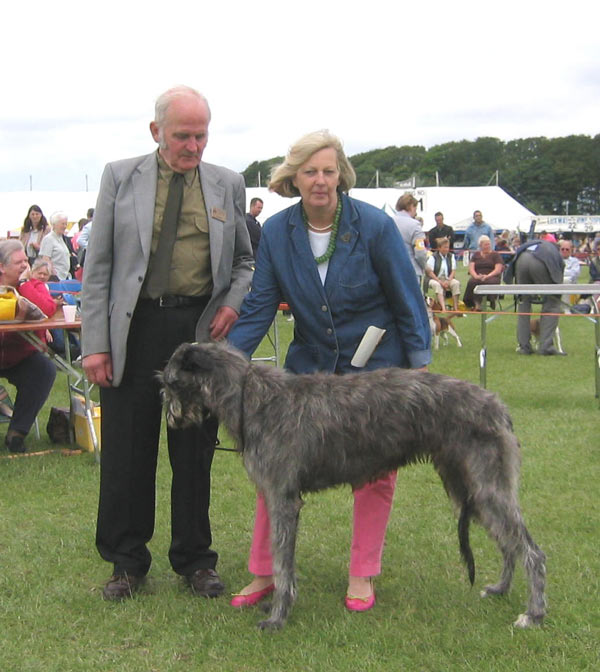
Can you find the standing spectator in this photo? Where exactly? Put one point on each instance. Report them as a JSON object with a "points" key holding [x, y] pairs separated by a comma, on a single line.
{"points": [[477, 228], [341, 266], [440, 230], [537, 262], [254, 228], [35, 227], [80, 224], [54, 249], [169, 261], [411, 231]]}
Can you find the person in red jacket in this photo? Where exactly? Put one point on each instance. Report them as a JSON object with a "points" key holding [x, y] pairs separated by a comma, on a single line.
{"points": [[30, 371]]}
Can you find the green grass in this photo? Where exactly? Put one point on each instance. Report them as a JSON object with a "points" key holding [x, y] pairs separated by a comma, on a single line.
{"points": [[52, 616]]}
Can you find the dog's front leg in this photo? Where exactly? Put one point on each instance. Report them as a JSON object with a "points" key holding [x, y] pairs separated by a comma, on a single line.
{"points": [[284, 512]]}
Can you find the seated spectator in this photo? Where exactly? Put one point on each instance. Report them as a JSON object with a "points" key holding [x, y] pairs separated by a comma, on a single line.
{"points": [[440, 272], [39, 276], [54, 249], [572, 265], [29, 370], [485, 268], [595, 277]]}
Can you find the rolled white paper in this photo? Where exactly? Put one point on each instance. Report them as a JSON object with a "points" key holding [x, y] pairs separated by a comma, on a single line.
{"points": [[367, 346]]}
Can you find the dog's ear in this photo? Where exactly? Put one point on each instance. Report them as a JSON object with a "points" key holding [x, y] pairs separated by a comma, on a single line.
{"points": [[195, 359]]}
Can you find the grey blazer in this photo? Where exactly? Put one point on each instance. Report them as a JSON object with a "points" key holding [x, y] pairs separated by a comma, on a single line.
{"points": [[119, 250]]}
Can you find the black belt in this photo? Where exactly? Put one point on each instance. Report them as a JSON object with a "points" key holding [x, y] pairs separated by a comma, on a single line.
{"points": [[177, 301]]}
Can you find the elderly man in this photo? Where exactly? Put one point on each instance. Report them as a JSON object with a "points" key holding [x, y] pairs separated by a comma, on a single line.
{"points": [[169, 260], [477, 228], [54, 249]]}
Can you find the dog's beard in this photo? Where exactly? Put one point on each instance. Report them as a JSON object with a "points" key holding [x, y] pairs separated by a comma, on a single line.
{"points": [[180, 415]]}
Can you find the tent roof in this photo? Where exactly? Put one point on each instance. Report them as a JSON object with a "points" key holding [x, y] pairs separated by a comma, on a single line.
{"points": [[499, 209]]}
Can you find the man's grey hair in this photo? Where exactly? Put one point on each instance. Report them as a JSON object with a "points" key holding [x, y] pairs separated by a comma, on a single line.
{"points": [[57, 217], [161, 106], [8, 248]]}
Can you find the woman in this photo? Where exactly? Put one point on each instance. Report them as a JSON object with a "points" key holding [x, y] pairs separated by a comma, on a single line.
{"points": [[35, 227], [341, 266], [485, 268], [37, 284], [29, 370], [54, 249]]}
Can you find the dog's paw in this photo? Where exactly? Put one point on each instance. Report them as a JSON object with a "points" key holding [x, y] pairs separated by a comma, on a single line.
{"points": [[271, 625], [524, 621], [265, 606]]}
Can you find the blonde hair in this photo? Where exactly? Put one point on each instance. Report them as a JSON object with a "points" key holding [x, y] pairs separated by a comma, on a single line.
{"points": [[300, 152], [483, 238]]}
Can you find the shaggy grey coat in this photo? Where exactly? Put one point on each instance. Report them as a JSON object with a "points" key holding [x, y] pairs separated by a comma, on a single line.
{"points": [[303, 433]]}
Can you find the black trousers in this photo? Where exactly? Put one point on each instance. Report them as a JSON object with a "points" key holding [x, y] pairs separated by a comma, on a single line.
{"points": [[33, 377], [131, 419]]}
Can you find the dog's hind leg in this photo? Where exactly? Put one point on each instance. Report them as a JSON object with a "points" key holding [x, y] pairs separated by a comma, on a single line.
{"points": [[284, 513], [453, 333], [503, 521]]}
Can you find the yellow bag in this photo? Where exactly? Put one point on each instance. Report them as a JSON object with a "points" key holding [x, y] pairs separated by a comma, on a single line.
{"points": [[8, 303]]}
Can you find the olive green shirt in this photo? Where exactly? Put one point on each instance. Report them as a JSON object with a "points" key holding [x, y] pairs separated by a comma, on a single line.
{"points": [[190, 264]]}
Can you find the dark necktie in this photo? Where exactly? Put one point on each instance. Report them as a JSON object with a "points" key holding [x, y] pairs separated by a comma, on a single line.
{"points": [[158, 282]]}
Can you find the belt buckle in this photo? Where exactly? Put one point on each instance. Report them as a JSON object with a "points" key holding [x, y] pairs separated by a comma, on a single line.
{"points": [[167, 301]]}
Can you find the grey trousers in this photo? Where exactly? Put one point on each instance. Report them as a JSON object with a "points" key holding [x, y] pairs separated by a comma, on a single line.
{"points": [[529, 270]]}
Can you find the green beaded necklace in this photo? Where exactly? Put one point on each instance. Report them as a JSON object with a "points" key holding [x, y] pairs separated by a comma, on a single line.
{"points": [[334, 229]]}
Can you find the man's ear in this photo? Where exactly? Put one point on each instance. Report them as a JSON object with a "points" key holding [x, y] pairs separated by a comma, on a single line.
{"points": [[154, 130]]}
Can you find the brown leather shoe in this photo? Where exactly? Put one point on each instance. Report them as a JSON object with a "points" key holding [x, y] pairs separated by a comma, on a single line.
{"points": [[121, 586], [205, 582]]}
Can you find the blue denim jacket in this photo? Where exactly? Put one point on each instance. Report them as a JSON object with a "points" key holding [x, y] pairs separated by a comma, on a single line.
{"points": [[370, 281]]}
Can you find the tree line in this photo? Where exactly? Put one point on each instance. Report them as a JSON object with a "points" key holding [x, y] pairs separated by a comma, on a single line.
{"points": [[546, 175]]}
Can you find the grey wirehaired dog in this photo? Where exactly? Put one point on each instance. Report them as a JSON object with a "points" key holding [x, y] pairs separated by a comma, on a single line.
{"points": [[303, 433]]}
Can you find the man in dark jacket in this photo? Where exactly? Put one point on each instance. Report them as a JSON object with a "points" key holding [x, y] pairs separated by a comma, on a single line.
{"points": [[254, 228], [537, 262]]}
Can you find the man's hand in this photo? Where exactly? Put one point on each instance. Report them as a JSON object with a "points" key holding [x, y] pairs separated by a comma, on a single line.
{"points": [[98, 369], [222, 322]]}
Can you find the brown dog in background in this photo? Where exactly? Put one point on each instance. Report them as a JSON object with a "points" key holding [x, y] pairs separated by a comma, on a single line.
{"points": [[440, 326]]}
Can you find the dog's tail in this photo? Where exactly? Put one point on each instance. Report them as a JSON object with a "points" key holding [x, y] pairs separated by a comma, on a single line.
{"points": [[464, 521]]}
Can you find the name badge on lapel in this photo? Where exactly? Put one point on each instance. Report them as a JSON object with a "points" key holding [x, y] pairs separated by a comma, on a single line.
{"points": [[219, 214]]}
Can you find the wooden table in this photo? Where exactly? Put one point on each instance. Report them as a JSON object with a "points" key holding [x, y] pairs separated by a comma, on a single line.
{"points": [[76, 379]]}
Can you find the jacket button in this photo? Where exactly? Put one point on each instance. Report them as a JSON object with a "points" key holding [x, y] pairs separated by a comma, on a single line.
{"points": [[324, 309], [330, 331], [140, 278], [128, 314]]}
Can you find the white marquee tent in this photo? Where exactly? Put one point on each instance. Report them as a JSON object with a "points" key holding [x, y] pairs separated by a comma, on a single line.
{"points": [[499, 209], [457, 203]]}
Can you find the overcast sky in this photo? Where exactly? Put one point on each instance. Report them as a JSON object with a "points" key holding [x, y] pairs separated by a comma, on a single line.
{"points": [[80, 79]]}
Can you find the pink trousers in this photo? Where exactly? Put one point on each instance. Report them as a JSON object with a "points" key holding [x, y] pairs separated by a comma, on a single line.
{"points": [[372, 505]]}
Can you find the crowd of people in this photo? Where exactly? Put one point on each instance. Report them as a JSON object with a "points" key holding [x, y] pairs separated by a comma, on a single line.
{"points": [[173, 257]]}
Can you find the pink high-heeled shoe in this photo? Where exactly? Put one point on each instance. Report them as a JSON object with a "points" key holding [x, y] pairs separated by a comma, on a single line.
{"points": [[251, 599]]}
